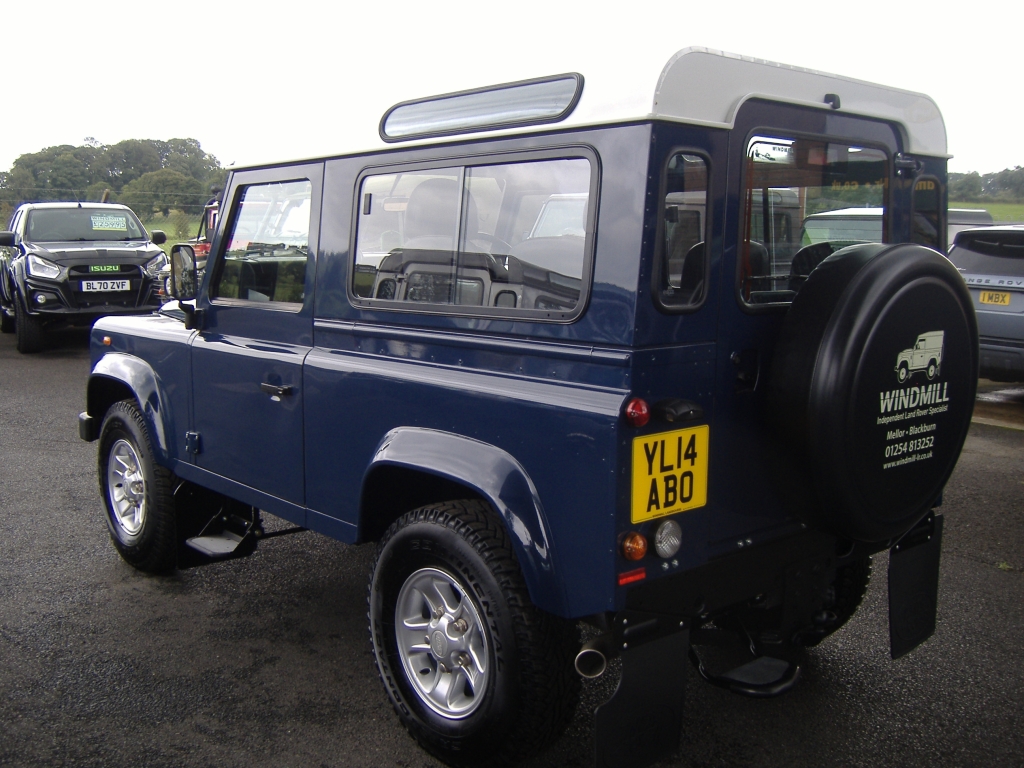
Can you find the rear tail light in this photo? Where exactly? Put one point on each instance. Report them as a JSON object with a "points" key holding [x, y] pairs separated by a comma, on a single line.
{"points": [[630, 576], [637, 412]]}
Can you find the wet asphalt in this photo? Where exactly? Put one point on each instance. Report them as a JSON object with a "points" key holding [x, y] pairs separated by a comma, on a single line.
{"points": [[266, 661]]}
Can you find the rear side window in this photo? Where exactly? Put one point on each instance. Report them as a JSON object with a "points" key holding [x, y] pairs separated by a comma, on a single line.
{"points": [[992, 253], [503, 238], [268, 245], [804, 200], [682, 261]]}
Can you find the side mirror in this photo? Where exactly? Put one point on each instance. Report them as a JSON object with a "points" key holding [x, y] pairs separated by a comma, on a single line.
{"points": [[158, 236], [183, 272], [6, 239]]}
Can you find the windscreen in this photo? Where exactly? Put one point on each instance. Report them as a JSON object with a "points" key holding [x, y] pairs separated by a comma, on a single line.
{"points": [[50, 225]]}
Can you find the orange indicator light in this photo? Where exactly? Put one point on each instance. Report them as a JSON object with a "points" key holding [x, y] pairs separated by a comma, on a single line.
{"points": [[634, 546]]}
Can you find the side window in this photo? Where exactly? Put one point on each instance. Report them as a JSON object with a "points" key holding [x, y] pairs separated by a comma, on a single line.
{"points": [[683, 257], [507, 237], [804, 200], [268, 245], [928, 226]]}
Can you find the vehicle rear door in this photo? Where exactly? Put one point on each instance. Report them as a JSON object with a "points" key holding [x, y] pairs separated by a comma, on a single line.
{"points": [[785, 163]]}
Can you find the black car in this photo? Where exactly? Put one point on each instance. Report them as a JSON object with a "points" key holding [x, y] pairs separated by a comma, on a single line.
{"points": [[69, 263], [991, 259]]}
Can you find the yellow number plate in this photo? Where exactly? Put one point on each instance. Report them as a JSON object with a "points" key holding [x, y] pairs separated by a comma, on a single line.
{"points": [[670, 473], [995, 297]]}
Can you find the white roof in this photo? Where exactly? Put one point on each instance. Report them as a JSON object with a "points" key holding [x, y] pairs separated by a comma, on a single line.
{"points": [[707, 87]]}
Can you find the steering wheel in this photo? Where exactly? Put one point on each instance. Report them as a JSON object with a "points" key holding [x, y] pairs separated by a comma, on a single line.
{"points": [[494, 242]]}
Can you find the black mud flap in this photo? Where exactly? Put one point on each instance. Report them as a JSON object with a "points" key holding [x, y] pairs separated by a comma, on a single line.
{"points": [[914, 585], [642, 720]]}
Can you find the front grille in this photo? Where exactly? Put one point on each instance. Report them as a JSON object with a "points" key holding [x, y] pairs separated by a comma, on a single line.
{"points": [[81, 272]]}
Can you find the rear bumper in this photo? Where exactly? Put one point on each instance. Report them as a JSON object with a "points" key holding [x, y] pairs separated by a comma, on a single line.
{"points": [[1002, 359]]}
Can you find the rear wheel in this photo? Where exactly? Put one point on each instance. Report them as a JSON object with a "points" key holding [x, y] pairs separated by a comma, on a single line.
{"points": [[838, 604], [842, 601], [136, 491], [476, 673], [30, 336]]}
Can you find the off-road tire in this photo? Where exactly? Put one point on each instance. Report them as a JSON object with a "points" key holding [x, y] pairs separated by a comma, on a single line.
{"points": [[845, 596], [533, 690], [30, 335], [153, 546]]}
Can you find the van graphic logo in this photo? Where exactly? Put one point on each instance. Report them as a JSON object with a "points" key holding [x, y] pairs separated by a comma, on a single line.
{"points": [[925, 355]]}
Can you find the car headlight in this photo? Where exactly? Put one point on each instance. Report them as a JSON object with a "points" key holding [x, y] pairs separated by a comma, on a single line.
{"points": [[40, 267], [154, 265]]}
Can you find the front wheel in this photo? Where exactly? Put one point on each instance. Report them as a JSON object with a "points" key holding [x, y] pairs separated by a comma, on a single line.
{"points": [[136, 491], [29, 330], [476, 673]]}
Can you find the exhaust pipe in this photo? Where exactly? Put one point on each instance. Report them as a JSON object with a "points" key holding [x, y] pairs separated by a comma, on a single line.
{"points": [[592, 659]]}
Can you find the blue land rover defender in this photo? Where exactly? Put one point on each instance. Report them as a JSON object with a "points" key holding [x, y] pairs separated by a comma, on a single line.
{"points": [[561, 352]]}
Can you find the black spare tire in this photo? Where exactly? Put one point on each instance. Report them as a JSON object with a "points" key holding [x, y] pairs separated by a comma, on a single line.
{"points": [[872, 387]]}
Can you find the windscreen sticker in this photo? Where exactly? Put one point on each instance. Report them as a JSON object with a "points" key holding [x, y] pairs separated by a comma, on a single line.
{"points": [[105, 222], [909, 443]]}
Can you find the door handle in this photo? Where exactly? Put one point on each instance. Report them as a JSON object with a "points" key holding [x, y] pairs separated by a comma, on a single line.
{"points": [[275, 391]]}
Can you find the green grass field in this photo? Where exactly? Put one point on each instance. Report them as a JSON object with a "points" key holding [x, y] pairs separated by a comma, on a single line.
{"points": [[999, 211], [179, 227]]}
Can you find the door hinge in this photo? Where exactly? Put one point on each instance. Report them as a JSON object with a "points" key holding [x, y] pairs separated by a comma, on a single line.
{"points": [[192, 444]]}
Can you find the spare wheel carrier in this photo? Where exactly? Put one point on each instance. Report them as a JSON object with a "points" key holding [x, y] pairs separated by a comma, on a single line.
{"points": [[864, 455]]}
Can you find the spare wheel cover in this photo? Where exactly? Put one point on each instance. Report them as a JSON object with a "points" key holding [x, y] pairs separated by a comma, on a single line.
{"points": [[875, 444]]}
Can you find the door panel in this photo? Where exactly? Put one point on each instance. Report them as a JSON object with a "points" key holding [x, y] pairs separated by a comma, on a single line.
{"points": [[256, 330], [247, 434], [757, 287]]}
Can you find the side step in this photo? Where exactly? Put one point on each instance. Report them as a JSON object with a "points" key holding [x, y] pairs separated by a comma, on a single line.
{"points": [[231, 529]]}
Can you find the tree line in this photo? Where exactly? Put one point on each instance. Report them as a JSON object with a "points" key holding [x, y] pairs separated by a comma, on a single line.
{"points": [[147, 175], [1005, 186]]}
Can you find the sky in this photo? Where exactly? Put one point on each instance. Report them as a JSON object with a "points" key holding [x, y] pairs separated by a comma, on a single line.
{"points": [[258, 82]]}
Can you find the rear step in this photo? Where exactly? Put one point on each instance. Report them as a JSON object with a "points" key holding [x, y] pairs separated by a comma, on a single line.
{"points": [[761, 677]]}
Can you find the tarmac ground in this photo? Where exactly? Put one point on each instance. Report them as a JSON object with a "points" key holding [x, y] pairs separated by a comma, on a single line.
{"points": [[266, 661]]}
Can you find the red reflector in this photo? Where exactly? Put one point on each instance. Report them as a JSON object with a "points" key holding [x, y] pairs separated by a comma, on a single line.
{"points": [[637, 412], [630, 576]]}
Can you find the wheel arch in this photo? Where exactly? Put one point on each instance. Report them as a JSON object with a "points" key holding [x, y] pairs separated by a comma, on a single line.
{"points": [[118, 377], [413, 466]]}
